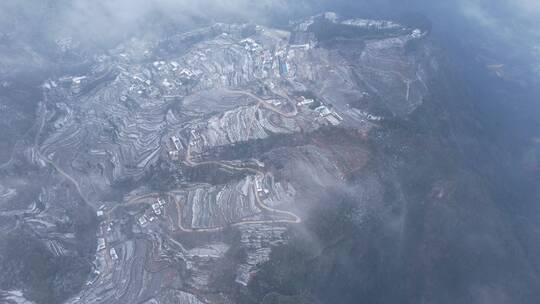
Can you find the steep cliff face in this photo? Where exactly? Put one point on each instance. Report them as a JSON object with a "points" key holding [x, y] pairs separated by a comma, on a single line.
{"points": [[446, 223]]}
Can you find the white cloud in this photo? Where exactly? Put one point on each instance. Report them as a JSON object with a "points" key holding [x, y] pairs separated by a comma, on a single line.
{"points": [[527, 6], [103, 19], [474, 10]]}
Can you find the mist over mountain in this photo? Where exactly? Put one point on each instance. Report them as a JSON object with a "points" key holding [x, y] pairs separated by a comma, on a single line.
{"points": [[275, 151]]}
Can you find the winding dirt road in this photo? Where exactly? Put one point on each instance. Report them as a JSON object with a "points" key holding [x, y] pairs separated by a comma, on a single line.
{"points": [[291, 218]]}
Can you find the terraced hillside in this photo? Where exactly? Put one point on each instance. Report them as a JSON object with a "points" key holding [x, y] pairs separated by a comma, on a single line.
{"points": [[198, 153]]}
